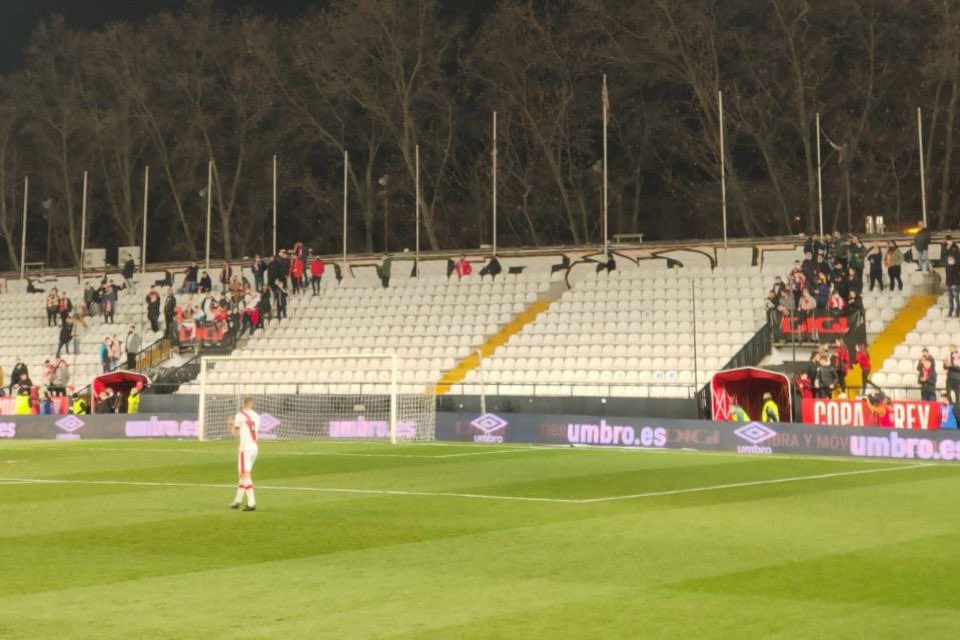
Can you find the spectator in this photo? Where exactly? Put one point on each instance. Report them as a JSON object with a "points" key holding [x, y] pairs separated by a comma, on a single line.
{"points": [[894, 263], [166, 281], [258, 268], [66, 336], [951, 364], [170, 313], [827, 378], [863, 361], [236, 289], [153, 309], [190, 275], [296, 274], [206, 284], [46, 405], [803, 386], [280, 300], [492, 269], [132, 347], [822, 292], [65, 307], [316, 273], [127, 273], [109, 303], [921, 244], [103, 355], [927, 379], [226, 276], [19, 370], [948, 413], [53, 308], [778, 286], [836, 304], [952, 270], [462, 267], [133, 398], [841, 356], [875, 260], [264, 306], [89, 300], [61, 376]]}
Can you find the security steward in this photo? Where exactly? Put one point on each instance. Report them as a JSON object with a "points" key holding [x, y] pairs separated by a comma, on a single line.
{"points": [[770, 412], [737, 414]]}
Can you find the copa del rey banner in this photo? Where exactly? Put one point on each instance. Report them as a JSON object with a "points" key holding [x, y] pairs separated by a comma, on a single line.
{"points": [[901, 414]]}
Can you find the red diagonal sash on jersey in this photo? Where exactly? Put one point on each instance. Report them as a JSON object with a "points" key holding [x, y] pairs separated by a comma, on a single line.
{"points": [[253, 432]]}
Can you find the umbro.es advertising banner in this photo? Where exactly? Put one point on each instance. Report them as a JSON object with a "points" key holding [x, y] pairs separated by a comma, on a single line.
{"points": [[754, 438]]}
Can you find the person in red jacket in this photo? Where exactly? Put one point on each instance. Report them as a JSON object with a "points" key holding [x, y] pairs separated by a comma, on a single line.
{"points": [[842, 357], [462, 267], [863, 360], [296, 274], [316, 272]]}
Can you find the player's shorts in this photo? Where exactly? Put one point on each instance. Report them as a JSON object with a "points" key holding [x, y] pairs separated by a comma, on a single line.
{"points": [[246, 460]]}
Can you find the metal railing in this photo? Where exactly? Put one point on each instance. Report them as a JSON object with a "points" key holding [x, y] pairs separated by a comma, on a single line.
{"points": [[155, 354], [753, 351]]}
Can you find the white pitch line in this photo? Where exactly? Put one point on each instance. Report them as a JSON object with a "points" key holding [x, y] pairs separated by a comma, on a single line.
{"points": [[386, 492], [476, 496], [753, 483], [338, 454]]}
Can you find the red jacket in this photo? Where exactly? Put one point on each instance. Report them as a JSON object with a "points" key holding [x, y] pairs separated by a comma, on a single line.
{"points": [[804, 388], [296, 267], [317, 267], [863, 359], [463, 268], [842, 354]]}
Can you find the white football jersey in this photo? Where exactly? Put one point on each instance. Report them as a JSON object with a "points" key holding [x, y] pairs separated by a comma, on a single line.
{"points": [[248, 422]]}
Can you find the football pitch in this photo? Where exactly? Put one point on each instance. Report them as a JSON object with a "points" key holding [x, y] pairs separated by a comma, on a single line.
{"points": [[356, 540]]}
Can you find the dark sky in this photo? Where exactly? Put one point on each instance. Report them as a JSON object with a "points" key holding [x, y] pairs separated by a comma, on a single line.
{"points": [[19, 17]]}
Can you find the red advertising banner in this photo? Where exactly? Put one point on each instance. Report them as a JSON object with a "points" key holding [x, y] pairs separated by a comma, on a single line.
{"points": [[901, 414]]}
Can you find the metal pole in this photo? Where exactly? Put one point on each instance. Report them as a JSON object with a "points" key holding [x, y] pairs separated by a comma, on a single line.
{"points": [[346, 168], [83, 223], [274, 204], [483, 394], [696, 364], [146, 192], [606, 107], [23, 233], [923, 178], [416, 262], [494, 167], [723, 170], [209, 207], [819, 180]]}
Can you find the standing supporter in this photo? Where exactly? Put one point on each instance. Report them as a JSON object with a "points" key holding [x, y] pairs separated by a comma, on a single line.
{"points": [[836, 304], [316, 273], [264, 306], [109, 303], [875, 260], [116, 352], [47, 377], [778, 286], [856, 255], [65, 307], [236, 290], [952, 270], [79, 328], [806, 310], [854, 304], [153, 309], [103, 355], [257, 268], [462, 267], [809, 267], [206, 283], [60, 379], [19, 370], [53, 308], [826, 377], [90, 298], [128, 269], [921, 245], [296, 274], [812, 245], [190, 275], [280, 300], [803, 386], [854, 281], [863, 361], [170, 313], [894, 263], [822, 292], [132, 347], [46, 405], [226, 276], [66, 336], [927, 379], [841, 356], [283, 269], [951, 364]]}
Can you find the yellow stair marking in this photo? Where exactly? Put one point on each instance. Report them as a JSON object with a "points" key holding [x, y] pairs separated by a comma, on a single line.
{"points": [[472, 361], [895, 333]]}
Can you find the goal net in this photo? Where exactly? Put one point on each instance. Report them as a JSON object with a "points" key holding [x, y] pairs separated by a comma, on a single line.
{"points": [[316, 397]]}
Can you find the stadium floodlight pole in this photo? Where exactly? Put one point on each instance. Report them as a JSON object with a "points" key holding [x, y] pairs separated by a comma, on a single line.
{"points": [[923, 177], [23, 233], [493, 160], [83, 224], [274, 204], [416, 258], [346, 168], [209, 208], [723, 170], [605, 100], [819, 179], [146, 194]]}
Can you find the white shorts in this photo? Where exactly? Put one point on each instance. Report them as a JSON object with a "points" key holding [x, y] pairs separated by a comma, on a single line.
{"points": [[246, 460]]}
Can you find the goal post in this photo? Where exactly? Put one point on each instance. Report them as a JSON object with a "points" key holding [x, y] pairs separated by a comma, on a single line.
{"points": [[315, 397]]}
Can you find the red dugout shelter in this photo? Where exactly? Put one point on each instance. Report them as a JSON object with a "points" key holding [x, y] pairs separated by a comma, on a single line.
{"points": [[745, 387]]}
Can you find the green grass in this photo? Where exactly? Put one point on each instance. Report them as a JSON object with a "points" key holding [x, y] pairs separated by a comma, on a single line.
{"points": [[861, 555]]}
